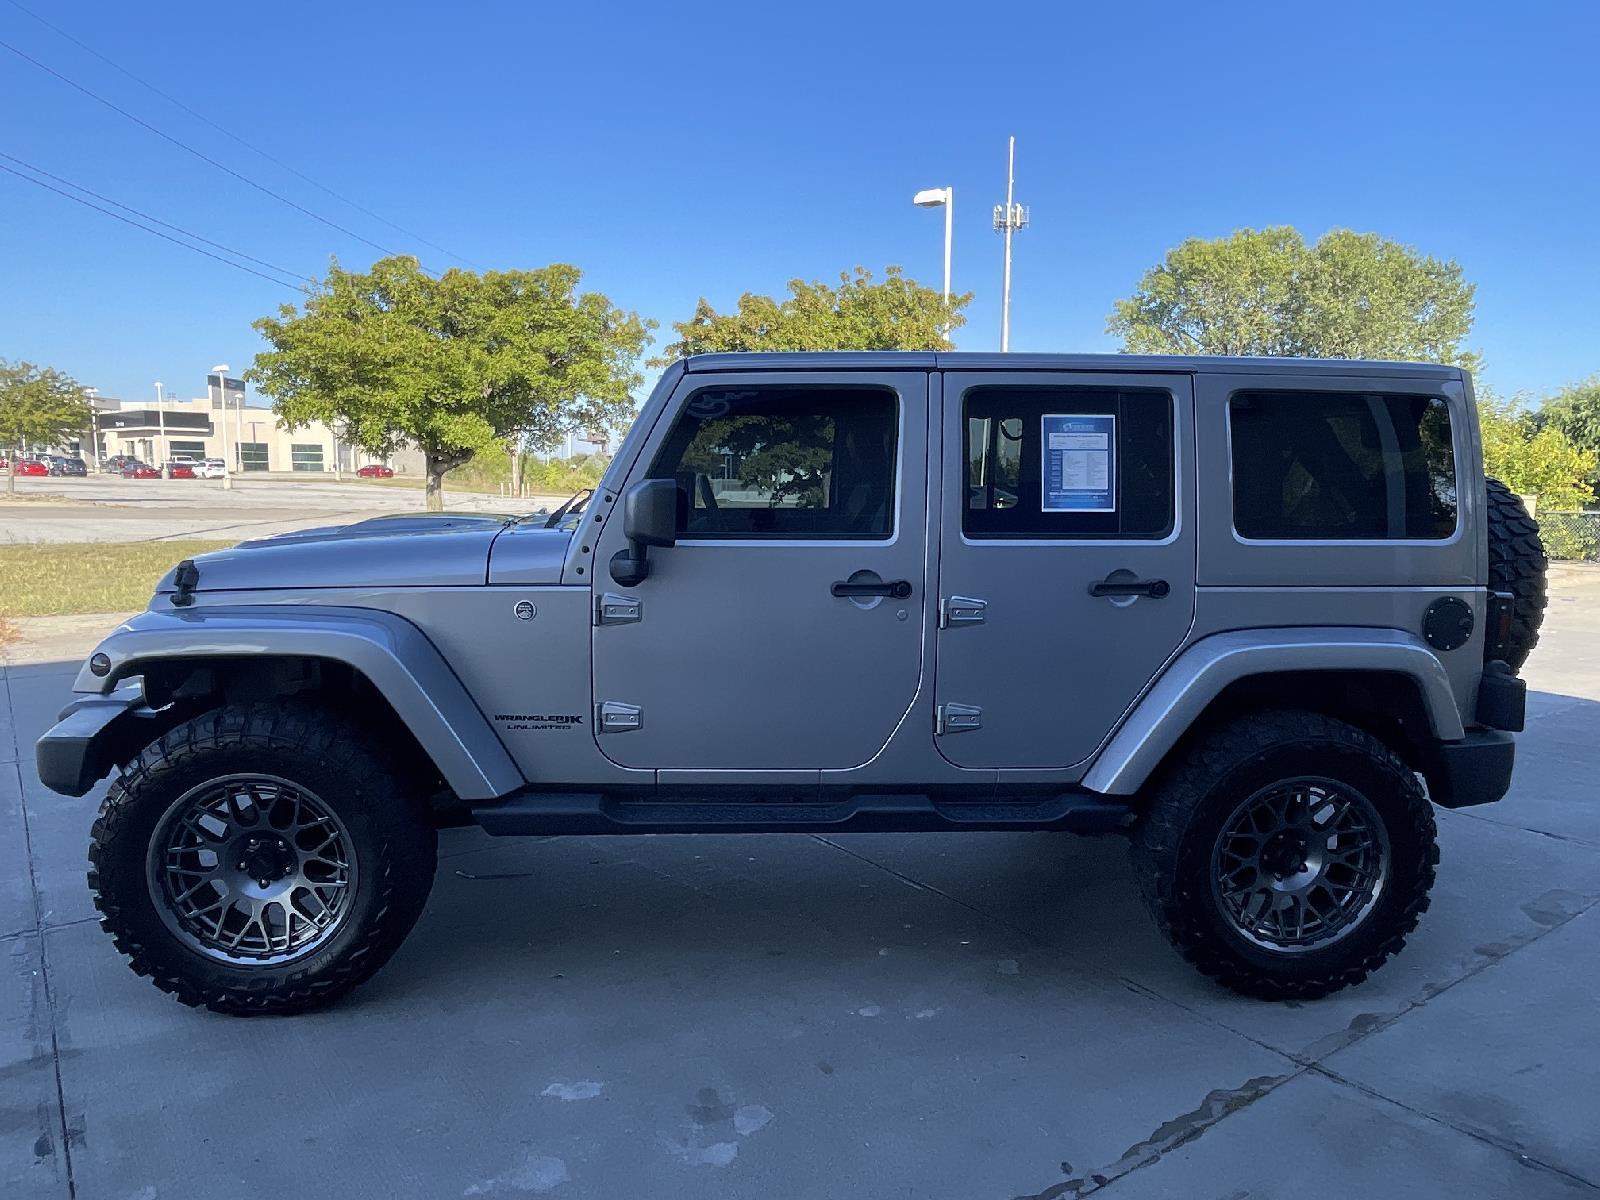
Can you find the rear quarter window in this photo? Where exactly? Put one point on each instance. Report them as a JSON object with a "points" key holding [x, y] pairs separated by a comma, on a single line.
{"points": [[1342, 466]]}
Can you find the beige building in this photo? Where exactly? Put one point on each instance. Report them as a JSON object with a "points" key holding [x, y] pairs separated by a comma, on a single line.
{"points": [[256, 439]]}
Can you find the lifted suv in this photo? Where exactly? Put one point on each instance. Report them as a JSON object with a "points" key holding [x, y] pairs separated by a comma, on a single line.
{"points": [[1255, 613]]}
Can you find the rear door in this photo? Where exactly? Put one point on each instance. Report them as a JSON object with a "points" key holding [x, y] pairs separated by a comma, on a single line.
{"points": [[1067, 557]]}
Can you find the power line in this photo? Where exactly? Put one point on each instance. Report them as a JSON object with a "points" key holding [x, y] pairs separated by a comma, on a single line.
{"points": [[292, 274], [146, 228], [199, 116], [203, 157]]}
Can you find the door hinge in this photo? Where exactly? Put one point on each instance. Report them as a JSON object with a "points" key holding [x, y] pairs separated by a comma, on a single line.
{"points": [[957, 718], [613, 716], [612, 609], [961, 610]]}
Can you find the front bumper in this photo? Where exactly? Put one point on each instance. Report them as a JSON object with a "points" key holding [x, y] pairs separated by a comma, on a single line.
{"points": [[89, 737], [1475, 770]]}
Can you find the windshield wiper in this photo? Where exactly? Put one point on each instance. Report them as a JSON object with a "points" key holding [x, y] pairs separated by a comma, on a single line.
{"points": [[572, 505]]}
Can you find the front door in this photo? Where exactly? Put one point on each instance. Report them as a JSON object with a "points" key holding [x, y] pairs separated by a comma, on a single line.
{"points": [[1066, 565], [783, 630]]}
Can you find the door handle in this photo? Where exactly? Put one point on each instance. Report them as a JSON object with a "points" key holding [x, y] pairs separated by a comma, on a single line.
{"points": [[1154, 588], [895, 589]]}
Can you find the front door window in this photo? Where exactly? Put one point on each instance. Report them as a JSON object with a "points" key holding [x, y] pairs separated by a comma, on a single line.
{"points": [[780, 463]]}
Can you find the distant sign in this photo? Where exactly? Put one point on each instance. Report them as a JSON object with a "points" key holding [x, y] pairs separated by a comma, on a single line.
{"points": [[1080, 462], [216, 388]]}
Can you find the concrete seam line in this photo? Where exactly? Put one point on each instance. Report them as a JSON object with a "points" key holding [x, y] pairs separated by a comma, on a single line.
{"points": [[1218, 1105], [1477, 1135], [44, 971], [1354, 1037], [1570, 839]]}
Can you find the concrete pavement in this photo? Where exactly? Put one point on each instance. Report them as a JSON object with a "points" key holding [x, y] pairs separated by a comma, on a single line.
{"points": [[108, 508], [947, 1016]]}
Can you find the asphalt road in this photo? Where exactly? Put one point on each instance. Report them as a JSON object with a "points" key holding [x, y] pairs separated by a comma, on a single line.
{"points": [[946, 1016], [107, 508]]}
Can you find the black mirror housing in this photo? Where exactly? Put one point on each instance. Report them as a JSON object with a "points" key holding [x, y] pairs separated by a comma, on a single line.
{"points": [[650, 512], [649, 518]]}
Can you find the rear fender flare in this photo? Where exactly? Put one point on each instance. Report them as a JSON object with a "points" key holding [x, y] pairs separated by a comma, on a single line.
{"points": [[1198, 675]]}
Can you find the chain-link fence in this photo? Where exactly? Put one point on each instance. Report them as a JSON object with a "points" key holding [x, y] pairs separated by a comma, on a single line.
{"points": [[1574, 536]]}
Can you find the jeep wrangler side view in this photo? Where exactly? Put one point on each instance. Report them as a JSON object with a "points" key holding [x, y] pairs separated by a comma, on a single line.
{"points": [[1258, 614]]}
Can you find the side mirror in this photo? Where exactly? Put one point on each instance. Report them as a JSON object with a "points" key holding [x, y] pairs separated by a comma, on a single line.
{"points": [[649, 518]]}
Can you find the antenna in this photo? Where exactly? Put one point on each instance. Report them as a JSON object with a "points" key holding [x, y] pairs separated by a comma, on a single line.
{"points": [[1008, 218]]}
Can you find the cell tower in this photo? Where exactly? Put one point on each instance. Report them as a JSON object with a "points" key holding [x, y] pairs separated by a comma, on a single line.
{"points": [[1008, 218]]}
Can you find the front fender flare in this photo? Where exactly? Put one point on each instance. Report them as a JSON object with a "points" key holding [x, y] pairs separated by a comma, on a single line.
{"points": [[393, 654], [1200, 673]]}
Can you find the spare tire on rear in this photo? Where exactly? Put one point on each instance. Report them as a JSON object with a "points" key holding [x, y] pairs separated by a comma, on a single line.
{"points": [[1516, 565]]}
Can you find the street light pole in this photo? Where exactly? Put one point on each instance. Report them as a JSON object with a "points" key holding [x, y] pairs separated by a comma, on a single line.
{"points": [[222, 390], [944, 198], [161, 430], [1008, 219], [94, 428]]}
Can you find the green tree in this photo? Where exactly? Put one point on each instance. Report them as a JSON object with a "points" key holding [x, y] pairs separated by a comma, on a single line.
{"points": [[452, 365], [897, 313], [39, 406], [1350, 295], [1574, 411], [1530, 460]]}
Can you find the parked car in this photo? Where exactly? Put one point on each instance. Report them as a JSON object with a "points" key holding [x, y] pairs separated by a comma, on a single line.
{"points": [[375, 471], [29, 466], [114, 464], [180, 468], [1258, 615], [60, 464], [211, 468], [134, 469]]}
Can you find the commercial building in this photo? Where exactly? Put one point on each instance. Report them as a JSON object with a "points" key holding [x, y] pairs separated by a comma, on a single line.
{"points": [[256, 440]]}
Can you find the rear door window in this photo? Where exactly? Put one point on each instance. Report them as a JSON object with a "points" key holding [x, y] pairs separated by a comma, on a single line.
{"points": [[1068, 463]]}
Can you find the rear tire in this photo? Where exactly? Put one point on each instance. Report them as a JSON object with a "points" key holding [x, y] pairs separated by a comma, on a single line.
{"points": [[261, 858], [1255, 880], [1517, 564]]}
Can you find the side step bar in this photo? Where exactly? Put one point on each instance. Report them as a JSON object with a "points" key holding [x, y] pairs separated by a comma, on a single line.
{"points": [[546, 813]]}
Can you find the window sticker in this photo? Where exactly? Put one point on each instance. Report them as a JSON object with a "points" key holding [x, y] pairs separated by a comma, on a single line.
{"points": [[1080, 463]]}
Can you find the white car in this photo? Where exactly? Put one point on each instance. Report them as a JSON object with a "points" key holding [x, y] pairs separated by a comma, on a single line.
{"points": [[211, 468]]}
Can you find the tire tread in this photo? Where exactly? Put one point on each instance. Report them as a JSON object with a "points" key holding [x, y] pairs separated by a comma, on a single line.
{"points": [[404, 864], [1517, 564], [1179, 793]]}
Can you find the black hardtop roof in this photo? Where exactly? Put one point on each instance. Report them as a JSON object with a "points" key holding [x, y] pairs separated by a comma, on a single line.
{"points": [[927, 360]]}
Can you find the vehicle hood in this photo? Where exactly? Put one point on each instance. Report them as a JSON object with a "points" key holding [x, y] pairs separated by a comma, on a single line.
{"points": [[410, 550]]}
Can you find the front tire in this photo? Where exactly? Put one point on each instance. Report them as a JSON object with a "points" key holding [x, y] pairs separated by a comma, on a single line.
{"points": [[1287, 854], [261, 858]]}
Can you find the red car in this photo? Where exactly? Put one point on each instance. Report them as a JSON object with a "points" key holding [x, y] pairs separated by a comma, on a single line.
{"points": [[134, 469], [178, 470], [29, 466], [376, 471]]}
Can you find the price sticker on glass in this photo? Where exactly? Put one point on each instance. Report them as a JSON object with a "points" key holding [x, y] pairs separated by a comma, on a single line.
{"points": [[1080, 463]]}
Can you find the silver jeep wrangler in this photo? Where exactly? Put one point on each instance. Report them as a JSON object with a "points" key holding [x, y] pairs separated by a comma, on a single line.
{"points": [[1257, 614]]}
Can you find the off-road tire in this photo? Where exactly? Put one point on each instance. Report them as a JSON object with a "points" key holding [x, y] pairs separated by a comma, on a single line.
{"points": [[1517, 565], [337, 758], [1175, 834]]}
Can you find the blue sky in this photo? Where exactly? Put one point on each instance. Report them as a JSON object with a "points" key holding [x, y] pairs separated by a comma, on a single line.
{"points": [[674, 151]]}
